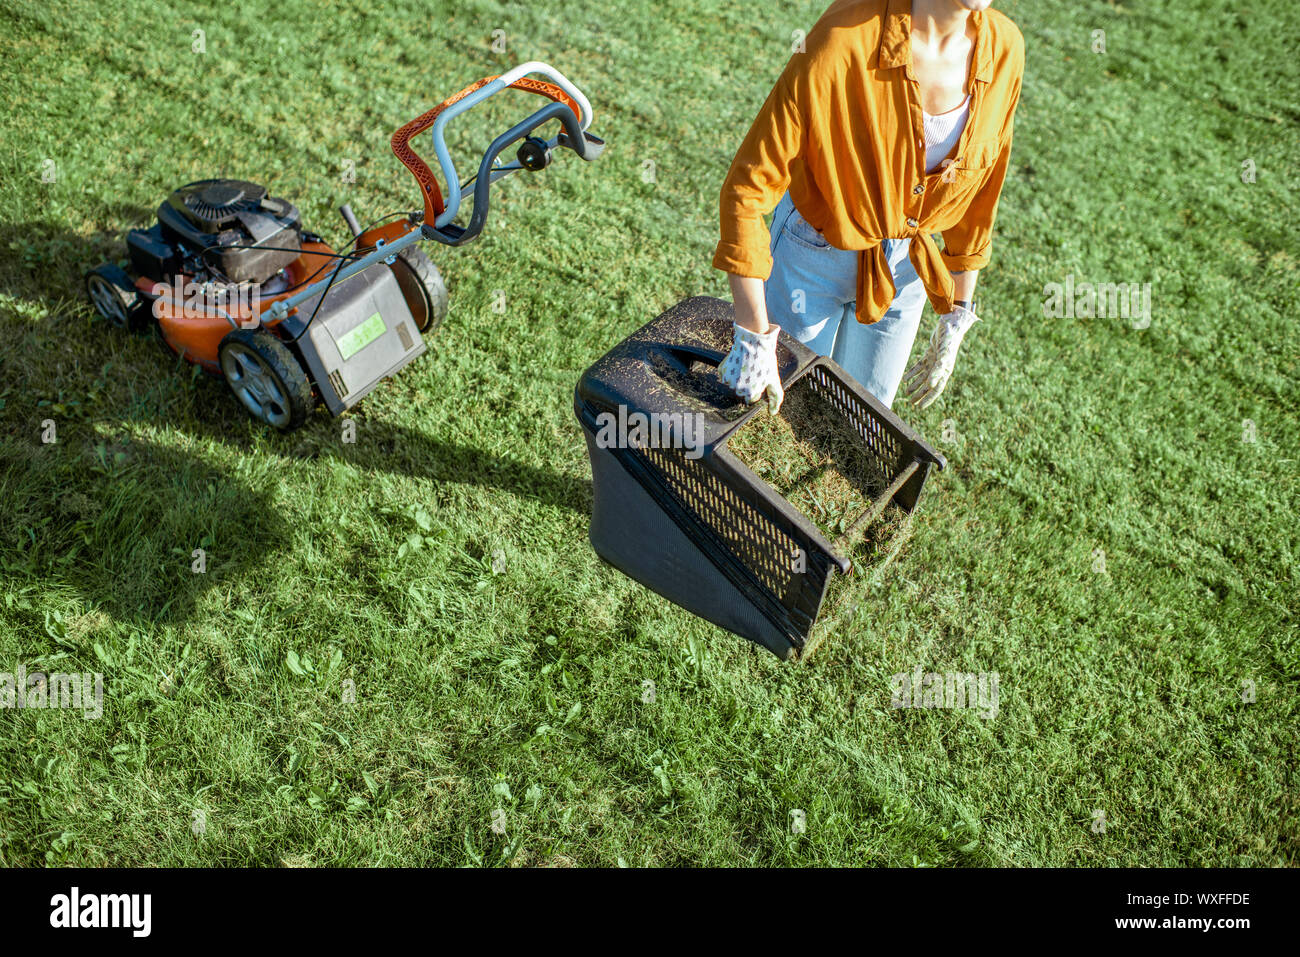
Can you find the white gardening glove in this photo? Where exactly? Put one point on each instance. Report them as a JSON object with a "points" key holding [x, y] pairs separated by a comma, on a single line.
{"points": [[925, 381], [750, 368]]}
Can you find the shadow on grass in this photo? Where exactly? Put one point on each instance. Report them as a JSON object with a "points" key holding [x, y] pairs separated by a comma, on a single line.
{"points": [[118, 521], [45, 260], [401, 450]]}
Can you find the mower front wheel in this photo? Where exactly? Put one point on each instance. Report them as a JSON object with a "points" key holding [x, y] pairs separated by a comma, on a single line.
{"points": [[115, 297], [266, 378], [422, 288]]}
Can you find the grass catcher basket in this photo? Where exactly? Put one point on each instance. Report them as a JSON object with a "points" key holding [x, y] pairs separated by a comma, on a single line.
{"points": [[678, 510]]}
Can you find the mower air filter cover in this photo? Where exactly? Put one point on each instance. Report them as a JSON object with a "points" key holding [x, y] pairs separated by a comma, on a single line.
{"points": [[683, 515], [151, 255], [237, 230]]}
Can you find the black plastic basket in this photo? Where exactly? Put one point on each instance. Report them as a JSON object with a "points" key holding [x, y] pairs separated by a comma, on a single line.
{"points": [[682, 515]]}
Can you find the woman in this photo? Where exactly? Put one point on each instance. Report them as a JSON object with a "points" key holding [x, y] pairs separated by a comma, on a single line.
{"points": [[894, 124]]}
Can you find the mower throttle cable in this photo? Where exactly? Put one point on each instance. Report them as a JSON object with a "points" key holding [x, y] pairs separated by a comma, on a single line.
{"points": [[495, 169], [351, 257], [312, 318], [281, 249], [343, 258]]}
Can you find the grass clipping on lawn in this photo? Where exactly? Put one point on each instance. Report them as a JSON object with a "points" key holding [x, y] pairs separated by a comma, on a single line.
{"points": [[813, 457]]}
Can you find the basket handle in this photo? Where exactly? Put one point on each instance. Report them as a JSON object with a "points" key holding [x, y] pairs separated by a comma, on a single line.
{"points": [[686, 354]]}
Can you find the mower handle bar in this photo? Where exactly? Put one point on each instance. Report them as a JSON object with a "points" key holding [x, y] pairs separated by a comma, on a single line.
{"points": [[440, 226], [447, 232], [562, 91], [505, 81]]}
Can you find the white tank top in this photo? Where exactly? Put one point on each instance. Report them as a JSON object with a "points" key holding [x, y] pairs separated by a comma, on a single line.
{"points": [[942, 133]]}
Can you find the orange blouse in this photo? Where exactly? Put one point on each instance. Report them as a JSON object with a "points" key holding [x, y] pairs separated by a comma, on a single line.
{"points": [[842, 131]]}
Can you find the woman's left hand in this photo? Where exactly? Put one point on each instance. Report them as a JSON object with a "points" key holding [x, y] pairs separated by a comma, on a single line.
{"points": [[926, 380]]}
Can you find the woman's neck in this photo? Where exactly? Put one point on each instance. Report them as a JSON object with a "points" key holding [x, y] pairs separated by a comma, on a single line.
{"points": [[936, 23]]}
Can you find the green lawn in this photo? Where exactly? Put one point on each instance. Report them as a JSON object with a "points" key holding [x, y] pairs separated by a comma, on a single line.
{"points": [[1120, 692]]}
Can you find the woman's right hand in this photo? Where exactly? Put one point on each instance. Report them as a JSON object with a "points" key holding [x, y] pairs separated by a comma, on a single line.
{"points": [[750, 369]]}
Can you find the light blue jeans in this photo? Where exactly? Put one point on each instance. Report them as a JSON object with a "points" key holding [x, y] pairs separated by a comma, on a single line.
{"points": [[812, 295]]}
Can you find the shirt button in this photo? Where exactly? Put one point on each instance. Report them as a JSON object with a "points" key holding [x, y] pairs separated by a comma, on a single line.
{"points": [[918, 189], [911, 223]]}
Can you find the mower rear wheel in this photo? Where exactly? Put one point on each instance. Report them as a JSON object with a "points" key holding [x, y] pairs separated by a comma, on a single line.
{"points": [[115, 297], [266, 377], [422, 288]]}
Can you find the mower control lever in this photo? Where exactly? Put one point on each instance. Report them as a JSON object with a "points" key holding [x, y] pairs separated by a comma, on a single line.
{"points": [[350, 218], [590, 149], [534, 154]]}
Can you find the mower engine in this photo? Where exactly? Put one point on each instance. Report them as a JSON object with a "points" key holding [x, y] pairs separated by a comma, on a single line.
{"points": [[219, 228]]}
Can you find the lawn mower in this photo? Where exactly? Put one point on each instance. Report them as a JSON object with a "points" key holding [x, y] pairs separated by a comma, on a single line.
{"points": [[230, 281]]}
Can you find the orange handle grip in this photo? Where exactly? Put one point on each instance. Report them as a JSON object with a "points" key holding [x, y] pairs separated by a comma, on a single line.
{"points": [[401, 143]]}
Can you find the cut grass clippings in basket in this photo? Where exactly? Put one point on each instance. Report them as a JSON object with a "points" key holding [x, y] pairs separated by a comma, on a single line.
{"points": [[813, 457]]}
